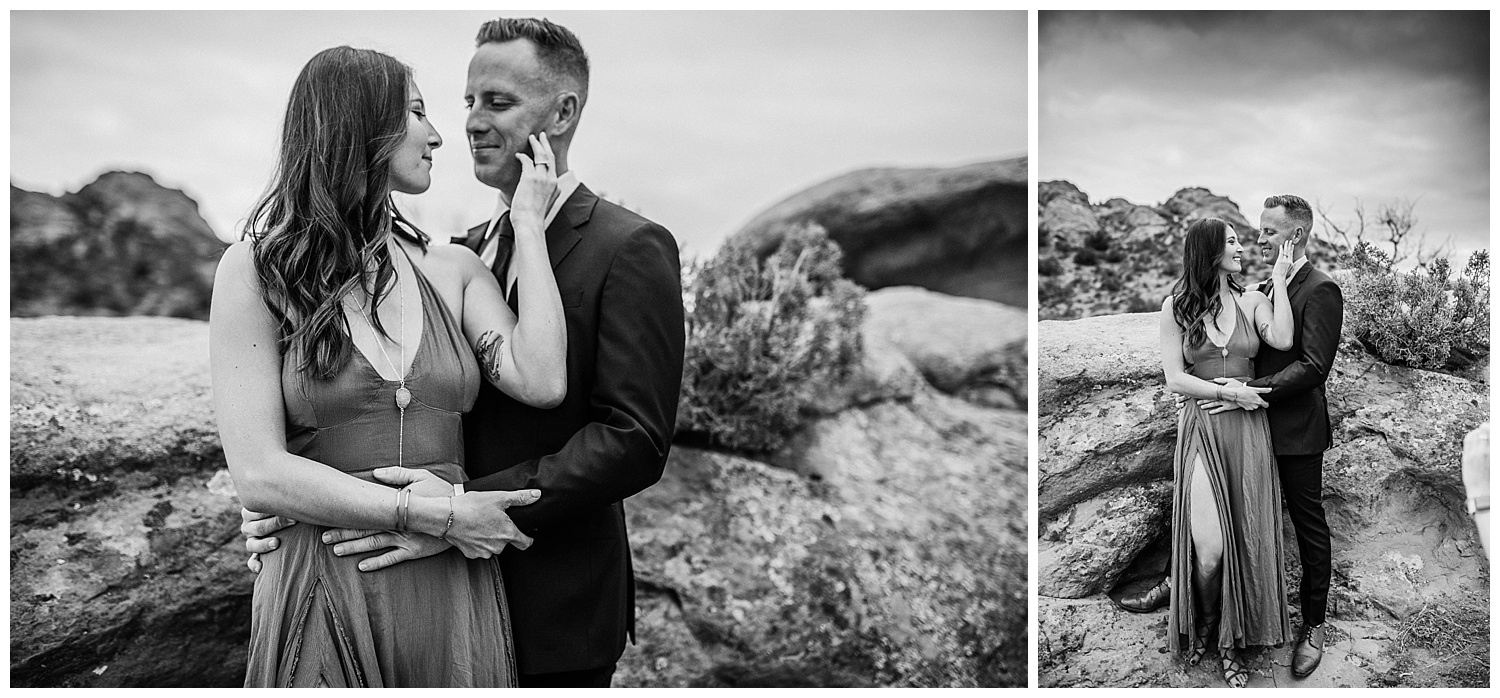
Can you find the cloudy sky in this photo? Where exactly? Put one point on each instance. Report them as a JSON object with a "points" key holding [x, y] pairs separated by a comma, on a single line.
{"points": [[699, 120], [1332, 106]]}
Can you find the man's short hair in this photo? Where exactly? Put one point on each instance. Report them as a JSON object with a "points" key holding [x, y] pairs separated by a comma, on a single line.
{"points": [[1296, 209], [556, 47]]}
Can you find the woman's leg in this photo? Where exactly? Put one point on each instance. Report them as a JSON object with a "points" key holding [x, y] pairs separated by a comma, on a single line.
{"points": [[1208, 555]]}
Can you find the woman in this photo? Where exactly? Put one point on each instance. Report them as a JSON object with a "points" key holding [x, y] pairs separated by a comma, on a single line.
{"points": [[1226, 578], [340, 342]]}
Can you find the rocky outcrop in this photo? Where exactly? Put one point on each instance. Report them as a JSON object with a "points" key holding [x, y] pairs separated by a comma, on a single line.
{"points": [[959, 231], [971, 348], [125, 564], [886, 545], [1120, 257], [122, 245], [1402, 542]]}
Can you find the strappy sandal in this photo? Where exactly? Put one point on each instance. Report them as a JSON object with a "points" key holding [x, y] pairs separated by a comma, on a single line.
{"points": [[1201, 636], [1236, 674]]}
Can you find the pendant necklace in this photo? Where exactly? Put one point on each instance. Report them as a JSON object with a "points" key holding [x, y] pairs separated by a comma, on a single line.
{"points": [[403, 395]]}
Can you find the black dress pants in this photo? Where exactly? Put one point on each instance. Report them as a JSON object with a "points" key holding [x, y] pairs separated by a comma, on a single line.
{"points": [[583, 678], [1302, 487]]}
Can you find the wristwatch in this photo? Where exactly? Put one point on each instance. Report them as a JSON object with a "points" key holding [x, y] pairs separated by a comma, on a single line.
{"points": [[1478, 504]]}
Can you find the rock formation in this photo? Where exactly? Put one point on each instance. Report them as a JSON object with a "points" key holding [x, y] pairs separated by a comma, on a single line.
{"points": [[959, 231], [1402, 542], [1120, 257], [886, 545], [122, 245]]}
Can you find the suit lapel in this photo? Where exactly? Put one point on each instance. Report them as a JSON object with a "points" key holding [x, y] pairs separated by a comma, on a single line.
{"points": [[563, 234], [1296, 283]]}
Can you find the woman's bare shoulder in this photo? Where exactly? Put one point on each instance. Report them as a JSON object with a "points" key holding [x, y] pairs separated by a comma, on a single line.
{"points": [[1252, 299], [238, 263], [454, 259]]}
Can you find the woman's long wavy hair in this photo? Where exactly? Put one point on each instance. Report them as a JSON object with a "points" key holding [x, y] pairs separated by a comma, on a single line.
{"points": [[1195, 297], [320, 229]]}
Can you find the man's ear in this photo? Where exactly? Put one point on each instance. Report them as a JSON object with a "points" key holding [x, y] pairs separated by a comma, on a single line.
{"points": [[564, 115]]}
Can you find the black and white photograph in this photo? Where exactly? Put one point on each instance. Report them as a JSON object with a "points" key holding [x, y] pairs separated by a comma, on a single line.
{"points": [[584, 349], [1263, 349]]}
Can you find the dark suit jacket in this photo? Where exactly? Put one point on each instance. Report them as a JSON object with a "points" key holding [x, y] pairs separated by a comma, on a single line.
{"points": [[572, 594], [1298, 405]]}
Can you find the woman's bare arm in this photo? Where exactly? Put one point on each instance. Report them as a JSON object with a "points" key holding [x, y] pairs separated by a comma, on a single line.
{"points": [[524, 357], [245, 368]]}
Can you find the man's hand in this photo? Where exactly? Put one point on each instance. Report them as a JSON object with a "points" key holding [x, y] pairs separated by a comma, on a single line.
{"points": [[258, 528], [1212, 406], [408, 546], [1217, 406]]}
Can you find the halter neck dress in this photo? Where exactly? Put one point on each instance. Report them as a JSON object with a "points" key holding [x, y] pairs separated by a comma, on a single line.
{"points": [[1235, 450], [316, 620]]}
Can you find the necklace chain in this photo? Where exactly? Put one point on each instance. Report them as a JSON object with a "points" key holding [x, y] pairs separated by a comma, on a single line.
{"points": [[401, 390]]}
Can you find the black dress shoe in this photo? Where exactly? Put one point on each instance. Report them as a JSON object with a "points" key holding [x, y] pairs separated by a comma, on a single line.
{"points": [[1309, 650], [1147, 601]]}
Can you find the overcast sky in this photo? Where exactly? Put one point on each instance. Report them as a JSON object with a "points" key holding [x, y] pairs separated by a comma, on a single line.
{"points": [[699, 120], [1330, 106]]}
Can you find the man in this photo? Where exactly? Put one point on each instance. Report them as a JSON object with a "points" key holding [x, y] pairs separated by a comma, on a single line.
{"points": [[572, 592], [1298, 416]]}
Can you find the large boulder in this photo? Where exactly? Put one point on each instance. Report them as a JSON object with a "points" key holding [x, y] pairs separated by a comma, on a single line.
{"points": [[1402, 542], [960, 230], [889, 549], [122, 245], [962, 346], [126, 566], [885, 545]]}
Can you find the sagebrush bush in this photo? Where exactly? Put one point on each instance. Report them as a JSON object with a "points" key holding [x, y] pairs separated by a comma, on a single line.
{"points": [[1086, 257], [1426, 318], [1048, 266], [764, 338]]}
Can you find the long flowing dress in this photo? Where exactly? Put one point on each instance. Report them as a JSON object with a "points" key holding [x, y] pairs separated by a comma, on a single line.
{"points": [[316, 620], [1235, 448]]}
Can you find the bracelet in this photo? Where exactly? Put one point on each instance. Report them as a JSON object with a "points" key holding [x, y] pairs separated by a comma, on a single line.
{"points": [[1219, 393], [449, 526], [1478, 504], [403, 519]]}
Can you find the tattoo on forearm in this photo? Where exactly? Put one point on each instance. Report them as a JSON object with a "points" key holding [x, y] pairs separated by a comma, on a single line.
{"points": [[489, 354]]}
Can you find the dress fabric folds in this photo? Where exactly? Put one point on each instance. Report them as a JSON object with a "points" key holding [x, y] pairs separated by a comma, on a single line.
{"points": [[316, 620], [1235, 450]]}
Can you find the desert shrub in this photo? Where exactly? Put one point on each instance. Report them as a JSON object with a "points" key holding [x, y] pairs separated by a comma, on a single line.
{"points": [[1097, 240], [1110, 281], [1086, 257], [1426, 318], [1049, 291], [764, 337], [1140, 304], [1048, 266], [1115, 256]]}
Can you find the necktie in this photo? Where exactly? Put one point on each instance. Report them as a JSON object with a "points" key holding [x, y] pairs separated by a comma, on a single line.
{"points": [[504, 246]]}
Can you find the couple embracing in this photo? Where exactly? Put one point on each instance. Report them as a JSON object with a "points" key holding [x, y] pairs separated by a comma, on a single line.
{"points": [[403, 413], [1250, 364]]}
